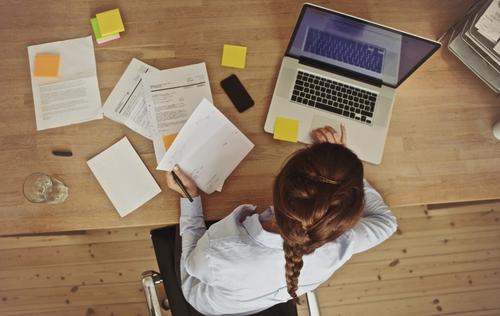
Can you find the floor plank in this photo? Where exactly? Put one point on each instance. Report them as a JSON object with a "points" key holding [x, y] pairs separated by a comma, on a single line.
{"points": [[430, 267]]}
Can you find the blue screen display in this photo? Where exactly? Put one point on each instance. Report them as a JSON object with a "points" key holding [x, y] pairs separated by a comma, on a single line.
{"points": [[358, 46]]}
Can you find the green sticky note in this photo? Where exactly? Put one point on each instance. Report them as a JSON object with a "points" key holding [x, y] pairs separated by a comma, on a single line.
{"points": [[234, 56], [95, 28], [286, 129]]}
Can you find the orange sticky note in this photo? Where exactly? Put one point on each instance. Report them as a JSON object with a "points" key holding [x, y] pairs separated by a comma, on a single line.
{"points": [[168, 140], [46, 65]]}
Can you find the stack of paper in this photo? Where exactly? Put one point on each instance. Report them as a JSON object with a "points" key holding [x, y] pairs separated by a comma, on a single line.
{"points": [[64, 83], [124, 177], [171, 96], [208, 148], [107, 26], [476, 42], [173, 108]]}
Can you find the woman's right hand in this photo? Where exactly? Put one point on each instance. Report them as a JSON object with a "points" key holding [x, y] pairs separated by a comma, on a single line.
{"points": [[328, 134], [188, 183]]}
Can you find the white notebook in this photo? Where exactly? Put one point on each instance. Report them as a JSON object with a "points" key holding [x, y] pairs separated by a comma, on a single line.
{"points": [[124, 177]]}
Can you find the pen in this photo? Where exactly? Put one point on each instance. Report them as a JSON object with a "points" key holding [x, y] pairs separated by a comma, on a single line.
{"points": [[181, 185], [62, 153]]}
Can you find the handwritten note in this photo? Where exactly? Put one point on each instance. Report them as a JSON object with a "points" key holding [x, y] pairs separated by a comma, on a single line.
{"points": [[208, 148]]}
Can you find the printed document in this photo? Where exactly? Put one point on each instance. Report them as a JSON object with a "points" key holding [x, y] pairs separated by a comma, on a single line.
{"points": [[171, 97], [126, 104], [73, 97], [208, 148], [489, 23], [124, 177]]}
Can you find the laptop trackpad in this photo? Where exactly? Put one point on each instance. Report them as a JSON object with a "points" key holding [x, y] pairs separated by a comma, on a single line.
{"points": [[322, 121]]}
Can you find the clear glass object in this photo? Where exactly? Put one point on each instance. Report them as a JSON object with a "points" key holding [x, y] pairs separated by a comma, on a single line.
{"points": [[42, 188]]}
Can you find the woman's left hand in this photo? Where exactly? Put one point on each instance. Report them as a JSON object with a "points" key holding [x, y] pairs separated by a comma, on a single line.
{"points": [[328, 134]]}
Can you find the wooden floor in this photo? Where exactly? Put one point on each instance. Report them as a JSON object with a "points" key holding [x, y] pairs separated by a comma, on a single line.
{"points": [[441, 262]]}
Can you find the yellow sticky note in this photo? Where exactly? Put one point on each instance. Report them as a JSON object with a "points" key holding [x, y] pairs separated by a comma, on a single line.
{"points": [[234, 56], [46, 65], [110, 22], [286, 129], [168, 140]]}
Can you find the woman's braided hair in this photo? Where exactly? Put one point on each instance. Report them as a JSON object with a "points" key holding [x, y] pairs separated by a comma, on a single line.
{"points": [[318, 195]]}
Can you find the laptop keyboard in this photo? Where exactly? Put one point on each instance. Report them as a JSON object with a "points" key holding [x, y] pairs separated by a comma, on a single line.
{"points": [[366, 56], [332, 96]]}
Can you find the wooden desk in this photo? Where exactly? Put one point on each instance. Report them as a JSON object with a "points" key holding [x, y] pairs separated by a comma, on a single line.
{"points": [[440, 146]]}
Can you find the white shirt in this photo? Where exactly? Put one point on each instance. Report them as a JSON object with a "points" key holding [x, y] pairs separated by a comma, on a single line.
{"points": [[238, 268]]}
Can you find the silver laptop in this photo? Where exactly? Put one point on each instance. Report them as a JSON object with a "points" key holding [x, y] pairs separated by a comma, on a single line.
{"points": [[342, 69]]}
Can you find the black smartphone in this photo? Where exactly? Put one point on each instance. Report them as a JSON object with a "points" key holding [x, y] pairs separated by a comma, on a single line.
{"points": [[237, 93]]}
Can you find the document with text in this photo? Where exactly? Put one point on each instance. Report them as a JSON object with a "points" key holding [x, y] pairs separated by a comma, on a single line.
{"points": [[126, 103], [73, 96], [171, 96]]}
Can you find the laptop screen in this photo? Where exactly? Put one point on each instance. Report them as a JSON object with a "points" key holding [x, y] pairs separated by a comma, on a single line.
{"points": [[357, 45]]}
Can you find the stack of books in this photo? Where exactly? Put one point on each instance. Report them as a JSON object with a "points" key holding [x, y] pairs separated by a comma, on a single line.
{"points": [[107, 26], [476, 42]]}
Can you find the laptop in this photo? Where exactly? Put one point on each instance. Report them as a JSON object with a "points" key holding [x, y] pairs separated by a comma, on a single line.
{"points": [[342, 69]]}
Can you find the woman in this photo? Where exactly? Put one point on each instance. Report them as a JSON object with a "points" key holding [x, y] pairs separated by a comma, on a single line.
{"points": [[324, 212]]}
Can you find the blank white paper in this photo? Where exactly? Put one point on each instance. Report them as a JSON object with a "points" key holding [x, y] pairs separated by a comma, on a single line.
{"points": [[124, 177]]}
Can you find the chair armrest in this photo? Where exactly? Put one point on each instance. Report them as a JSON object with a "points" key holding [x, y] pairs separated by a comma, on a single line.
{"points": [[149, 279]]}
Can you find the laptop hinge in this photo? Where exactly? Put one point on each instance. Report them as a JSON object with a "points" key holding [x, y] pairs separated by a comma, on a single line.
{"points": [[340, 71]]}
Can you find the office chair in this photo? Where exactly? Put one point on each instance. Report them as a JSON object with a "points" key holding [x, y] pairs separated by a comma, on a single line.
{"points": [[167, 249]]}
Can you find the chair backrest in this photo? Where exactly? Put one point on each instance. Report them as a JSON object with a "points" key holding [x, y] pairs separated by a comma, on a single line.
{"points": [[166, 242]]}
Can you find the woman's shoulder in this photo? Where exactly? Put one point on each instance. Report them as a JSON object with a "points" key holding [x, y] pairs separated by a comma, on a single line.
{"points": [[231, 226]]}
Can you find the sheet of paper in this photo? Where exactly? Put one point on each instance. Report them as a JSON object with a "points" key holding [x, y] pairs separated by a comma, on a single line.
{"points": [[126, 103], [171, 96], [124, 177], [497, 47], [73, 97], [489, 23], [208, 148]]}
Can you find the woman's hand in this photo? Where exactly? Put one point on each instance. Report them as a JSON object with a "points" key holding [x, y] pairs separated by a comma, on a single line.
{"points": [[190, 185], [328, 134]]}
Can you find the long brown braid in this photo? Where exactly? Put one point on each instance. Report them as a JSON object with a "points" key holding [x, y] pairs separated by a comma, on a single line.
{"points": [[318, 195]]}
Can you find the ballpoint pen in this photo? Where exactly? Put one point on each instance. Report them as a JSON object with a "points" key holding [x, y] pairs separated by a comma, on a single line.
{"points": [[181, 185]]}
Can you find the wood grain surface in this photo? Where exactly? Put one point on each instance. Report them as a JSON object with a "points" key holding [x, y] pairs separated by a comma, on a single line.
{"points": [[440, 146]]}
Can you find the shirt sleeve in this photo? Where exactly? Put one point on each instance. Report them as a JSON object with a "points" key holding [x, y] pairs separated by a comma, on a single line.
{"points": [[377, 223], [194, 266], [192, 224]]}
